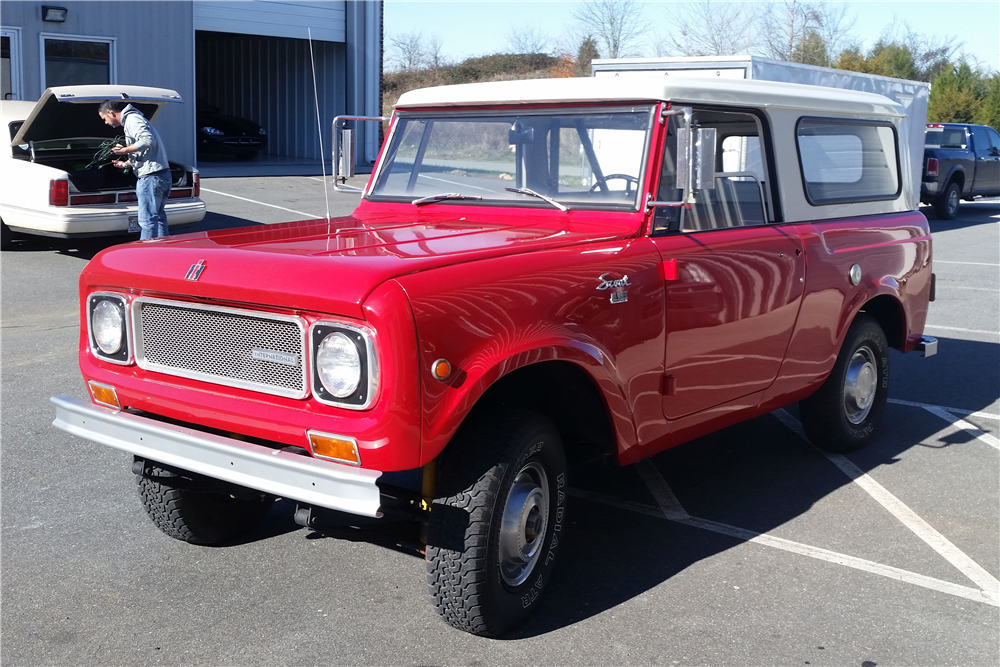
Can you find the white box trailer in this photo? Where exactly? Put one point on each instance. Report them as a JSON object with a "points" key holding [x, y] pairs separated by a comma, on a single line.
{"points": [[911, 95]]}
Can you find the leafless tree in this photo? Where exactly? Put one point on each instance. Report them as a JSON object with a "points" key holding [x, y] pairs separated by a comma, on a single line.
{"points": [[617, 25], [432, 53], [797, 30], [710, 28], [528, 39], [405, 51]]}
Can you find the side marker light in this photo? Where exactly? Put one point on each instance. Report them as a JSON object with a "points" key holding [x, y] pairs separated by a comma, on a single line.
{"points": [[104, 395], [441, 369], [339, 448]]}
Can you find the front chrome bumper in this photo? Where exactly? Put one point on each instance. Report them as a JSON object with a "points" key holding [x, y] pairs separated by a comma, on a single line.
{"points": [[281, 473]]}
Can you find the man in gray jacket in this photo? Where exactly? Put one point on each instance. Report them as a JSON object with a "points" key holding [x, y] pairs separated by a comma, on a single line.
{"points": [[148, 157]]}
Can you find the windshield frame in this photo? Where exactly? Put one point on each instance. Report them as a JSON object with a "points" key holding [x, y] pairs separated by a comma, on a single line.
{"points": [[417, 114]]}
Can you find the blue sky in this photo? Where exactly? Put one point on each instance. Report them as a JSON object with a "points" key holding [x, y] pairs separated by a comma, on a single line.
{"points": [[468, 28]]}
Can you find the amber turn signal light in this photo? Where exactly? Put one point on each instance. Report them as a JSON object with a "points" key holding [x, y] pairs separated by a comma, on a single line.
{"points": [[441, 369], [104, 395], [338, 448]]}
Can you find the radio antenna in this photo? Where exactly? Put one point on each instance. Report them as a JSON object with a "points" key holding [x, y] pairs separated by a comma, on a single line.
{"points": [[319, 126]]}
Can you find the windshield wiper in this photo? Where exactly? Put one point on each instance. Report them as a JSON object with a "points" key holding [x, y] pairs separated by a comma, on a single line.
{"points": [[526, 191], [433, 199]]}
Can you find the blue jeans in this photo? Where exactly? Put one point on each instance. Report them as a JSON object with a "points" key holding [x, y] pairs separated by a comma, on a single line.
{"points": [[152, 192]]}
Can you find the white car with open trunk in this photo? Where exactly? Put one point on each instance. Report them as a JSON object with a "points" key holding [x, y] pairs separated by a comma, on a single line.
{"points": [[52, 185]]}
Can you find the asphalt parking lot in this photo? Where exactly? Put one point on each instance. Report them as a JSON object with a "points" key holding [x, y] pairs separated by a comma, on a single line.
{"points": [[746, 547]]}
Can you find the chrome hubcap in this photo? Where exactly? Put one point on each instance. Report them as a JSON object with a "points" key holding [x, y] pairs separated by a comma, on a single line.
{"points": [[524, 524], [860, 385], [952, 201]]}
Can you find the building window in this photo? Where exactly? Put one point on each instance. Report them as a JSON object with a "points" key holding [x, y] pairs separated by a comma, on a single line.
{"points": [[848, 161], [76, 60], [10, 64]]}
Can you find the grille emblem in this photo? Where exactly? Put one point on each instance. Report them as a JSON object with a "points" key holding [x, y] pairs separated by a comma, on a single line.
{"points": [[195, 271], [283, 358]]}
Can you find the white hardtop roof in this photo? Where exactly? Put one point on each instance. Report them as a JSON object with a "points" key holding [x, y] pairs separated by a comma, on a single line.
{"points": [[728, 92]]}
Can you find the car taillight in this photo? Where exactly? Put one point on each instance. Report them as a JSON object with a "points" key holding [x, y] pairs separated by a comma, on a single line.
{"points": [[58, 193], [932, 166], [180, 193], [196, 180]]}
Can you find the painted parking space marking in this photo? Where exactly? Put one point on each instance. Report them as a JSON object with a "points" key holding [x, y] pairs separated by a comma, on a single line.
{"points": [[904, 514], [253, 201], [872, 567], [972, 430], [464, 185], [941, 261], [960, 411], [975, 331]]}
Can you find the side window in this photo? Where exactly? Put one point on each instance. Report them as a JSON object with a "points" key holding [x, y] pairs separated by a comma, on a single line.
{"points": [[847, 161], [981, 141], [739, 196], [994, 139], [71, 60]]}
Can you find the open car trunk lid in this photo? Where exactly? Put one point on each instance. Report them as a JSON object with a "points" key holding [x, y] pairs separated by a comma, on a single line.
{"points": [[70, 112]]}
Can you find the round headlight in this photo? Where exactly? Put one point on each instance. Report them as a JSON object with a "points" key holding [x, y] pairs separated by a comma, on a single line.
{"points": [[108, 327], [339, 365]]}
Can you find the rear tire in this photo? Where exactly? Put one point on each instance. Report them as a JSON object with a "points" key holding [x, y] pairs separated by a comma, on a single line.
{"points": [[5, 236], [844, 412], [497, 522], [176, 502], [946, 207]]}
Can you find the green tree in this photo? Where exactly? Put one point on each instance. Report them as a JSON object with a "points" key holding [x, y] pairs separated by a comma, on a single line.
{"points": [[957, 95], [989, 110], [587, 53], [811, 50]]}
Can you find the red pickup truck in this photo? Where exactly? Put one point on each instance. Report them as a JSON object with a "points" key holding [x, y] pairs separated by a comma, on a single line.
{"points": [[535, 267]]}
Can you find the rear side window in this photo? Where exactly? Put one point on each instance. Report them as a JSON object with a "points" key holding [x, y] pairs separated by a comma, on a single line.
{"points": [[847, 161]]}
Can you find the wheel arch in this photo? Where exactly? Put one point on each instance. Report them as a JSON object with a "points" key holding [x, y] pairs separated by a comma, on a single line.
{"points": [[563, 391], [887, 311], [957, 175]]}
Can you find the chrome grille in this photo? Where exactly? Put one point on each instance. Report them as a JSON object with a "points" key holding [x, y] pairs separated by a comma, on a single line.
{"points": [[237, 348]]}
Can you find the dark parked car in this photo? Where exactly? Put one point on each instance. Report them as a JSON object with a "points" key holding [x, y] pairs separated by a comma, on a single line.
{"points": [[219, 134]]}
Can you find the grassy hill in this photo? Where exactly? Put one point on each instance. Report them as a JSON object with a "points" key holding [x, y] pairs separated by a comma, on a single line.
{"points": [[499, 67]]}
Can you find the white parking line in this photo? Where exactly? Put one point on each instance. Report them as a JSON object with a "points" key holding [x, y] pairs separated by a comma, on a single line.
{"points": [[974, 431], [795, 547], [941, 261], [978, 331], [464, 185], [904, 514], [310, 216], [961, 411]]}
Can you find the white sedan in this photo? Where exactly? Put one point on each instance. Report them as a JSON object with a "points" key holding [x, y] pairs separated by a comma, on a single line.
{"points": [[51, 185]]}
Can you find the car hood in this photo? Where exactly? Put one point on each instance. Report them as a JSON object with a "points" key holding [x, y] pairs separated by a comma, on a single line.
{"points": [[69, 112], [319, 265]]}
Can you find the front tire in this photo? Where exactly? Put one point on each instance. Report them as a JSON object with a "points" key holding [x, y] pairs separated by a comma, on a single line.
{"points": [[946, 207], [195, 509], [844, 412], [497, 521]]}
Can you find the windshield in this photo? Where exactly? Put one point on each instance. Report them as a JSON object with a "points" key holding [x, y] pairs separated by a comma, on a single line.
{"points": [[545, 158]]}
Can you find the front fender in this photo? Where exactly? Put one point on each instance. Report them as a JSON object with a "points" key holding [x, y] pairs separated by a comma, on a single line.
{"points": [[492, 317]]}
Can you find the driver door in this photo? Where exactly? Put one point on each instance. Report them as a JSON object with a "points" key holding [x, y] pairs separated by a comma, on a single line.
{"points": [[733, 280]]}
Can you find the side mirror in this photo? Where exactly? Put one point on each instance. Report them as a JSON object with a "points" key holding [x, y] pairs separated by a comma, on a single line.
{"points": [[346, 158], [342, 159]]}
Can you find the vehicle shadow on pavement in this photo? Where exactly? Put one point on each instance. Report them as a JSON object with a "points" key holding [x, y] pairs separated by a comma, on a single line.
{"points": [[970, 214], [758, 476]]}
